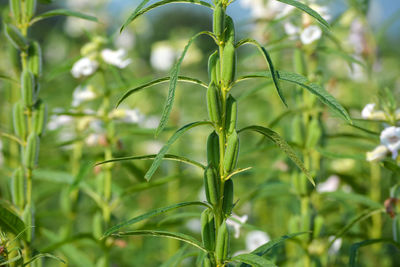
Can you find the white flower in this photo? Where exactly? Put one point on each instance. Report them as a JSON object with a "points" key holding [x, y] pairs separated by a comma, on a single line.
{"points": [[334, 249], [57, 121], [194, 225], [290, 29], [390, 137], [93, 139], [378, 153], [310, 34], [150, 122], [236, 222], [125, 40], [127, 115], [115, 57], [271, 10], [368, 112], [331, 184], [76, 27], [82, 94], [256, 238], [324, 11], [357, 36], [84, 67], [162, 57]]}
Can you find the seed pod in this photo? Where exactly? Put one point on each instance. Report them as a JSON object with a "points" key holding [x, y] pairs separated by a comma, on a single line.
{"points": [[229, 65], [18, 188], [39, 117], [207, 262], [15, 7], [231, 114], [28, 216], [214, 103], [227, 203], [297, 130], [213, 149], [30, 8], [208, 229], [19, 120], [16, 37], [35, 59], [214, 68], [98, 225], [27, 87], [313, 133], [32, 151], [318, 223], [229, 34], [231, 152], [211, 183], [219, 20], [222, 243]]}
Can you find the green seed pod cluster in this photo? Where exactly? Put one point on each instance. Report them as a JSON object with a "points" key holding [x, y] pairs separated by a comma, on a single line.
{"points": [[19, 120], [18, 187], [30, 8], [208, 229], [229, 34], [222, 244], [214, 103], [39, 117], [219, 20], [213, 149], [31, 152], [228, 64], [16, 38], [231, 152], [211, 183], [15, 7], [231, 114], [207, 262], [35, 59], [27, 88], [227, 204], [214, 68], [28, 218]]}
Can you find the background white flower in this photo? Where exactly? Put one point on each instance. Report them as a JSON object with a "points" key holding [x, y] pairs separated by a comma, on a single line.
{"points": [[256, 238], [369, 112], [310, 34], [115, 57], [125, 40], [127, 115], [194, 225], [82, 94], [334, 249], [57, 121], [236, 222], [378, 153], [162, 56], [390, 137], [331, 184], [84, 67]]}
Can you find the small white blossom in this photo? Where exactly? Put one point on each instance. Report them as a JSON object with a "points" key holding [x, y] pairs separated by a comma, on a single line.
{"points": [[162, 57], [127, 115], [84, 67], [369, 112], [378, 153], [93, 139], [115, 57], [76, 27], [290, 29], [82, 94], [330, 185], [57, 121], [256, 238], [125, 40], [194, 225], [390, 137], [271, 10], [150, 122], [236, 222], [334, 249], [357, 36], [310, 34]]}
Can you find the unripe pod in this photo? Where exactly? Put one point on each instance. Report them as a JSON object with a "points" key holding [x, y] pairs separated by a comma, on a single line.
{"points": [[213, 149], [16, 38], [28, 217], [39, 117], [297, 130], [30, 8], [27, 87], [219, 20], [229, 34], [318, 223], [35, 59], [313, 133], [19, 120], [207, 262], [15, 7], [18, 188], [214, 68], [211, 182], [231, 152], [31, 152], [214, 103], [227, 203], [222, 244], [228, 64], [231, 114], [208, 229], [98, 225]]}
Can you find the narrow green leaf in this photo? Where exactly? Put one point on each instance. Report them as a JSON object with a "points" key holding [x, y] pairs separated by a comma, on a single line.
{"points": [[43, 255], [172, 85], [62, 12], [182, 237], [9, 221], [264, 249], [159, 81], [139, 11], [283, 145], [166, 156], [153, 213], [253, 260], [144, 186], [53, 176], [157, 161], [353, 198], [308, 10], [69, 240], [274, 73], [8, 78], [356, 246], [15, 259]]}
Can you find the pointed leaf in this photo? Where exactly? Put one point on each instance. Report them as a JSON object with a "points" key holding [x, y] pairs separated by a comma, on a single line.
{"points": [[278, 140], [356, 246], [353, 198], [159, 81], [157, 161], [62, 12], [9, 221], [308, 10], [139, 11], [253, 260], [166, 156], [153, 213], [43, 255]]}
